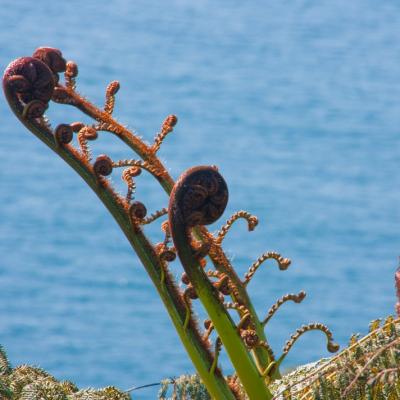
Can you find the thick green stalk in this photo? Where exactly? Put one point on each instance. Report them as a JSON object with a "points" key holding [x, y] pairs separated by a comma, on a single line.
{"points": [[244, 366]]}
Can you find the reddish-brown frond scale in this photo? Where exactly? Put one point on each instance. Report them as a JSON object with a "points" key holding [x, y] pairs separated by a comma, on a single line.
{"points": [[171, 120], [168, 255], [63, 134], [103, 165], [202, 251], [185, 278], [137, 210], [223, 285], [70, 74], [165, 225], [245, 322], [333, 347], [250, 338], [207, 323], [190, 293]]}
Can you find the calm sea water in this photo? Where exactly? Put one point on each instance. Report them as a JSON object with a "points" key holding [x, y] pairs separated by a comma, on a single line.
{"points": [[298, 104]]}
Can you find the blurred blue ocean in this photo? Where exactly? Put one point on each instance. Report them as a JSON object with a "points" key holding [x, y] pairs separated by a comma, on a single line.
{"points": [[297, 102]]}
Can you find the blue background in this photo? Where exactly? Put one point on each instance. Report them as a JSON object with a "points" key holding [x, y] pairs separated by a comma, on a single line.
{"points": [[297, 102]]}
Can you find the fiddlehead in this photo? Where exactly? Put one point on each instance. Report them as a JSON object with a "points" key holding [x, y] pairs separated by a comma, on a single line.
{"points": [[199, 197], [103, 166], [84, 134], [332, 347], [283, 264], [252, 222], [127, 176], [71, 72], [29, 85], [192, 204], [111, 91], [167, 127], [139, 164], [297, 298], [63, 134], [209, 327]]}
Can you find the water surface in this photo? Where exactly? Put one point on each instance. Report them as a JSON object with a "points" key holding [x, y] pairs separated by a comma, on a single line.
{"points": [[297, 102]]}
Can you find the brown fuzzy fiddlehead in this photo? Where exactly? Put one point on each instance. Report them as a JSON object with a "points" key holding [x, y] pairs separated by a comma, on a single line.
{"points": [[297, 298], [71, 72], [167, 127], [252, 222], [199, 197], [29, 85], [86, 133], [63, 134], [111, 91], [283, 264], [332, 347], [103, 165], [127, 176], [137, 210]]}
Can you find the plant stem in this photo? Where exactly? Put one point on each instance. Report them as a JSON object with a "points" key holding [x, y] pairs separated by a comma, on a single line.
{"points": [[201, 358], [183, 208], [144, 151]]}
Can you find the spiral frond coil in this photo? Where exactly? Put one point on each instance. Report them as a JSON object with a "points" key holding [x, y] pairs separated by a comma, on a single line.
{"points": [[283, 264]]}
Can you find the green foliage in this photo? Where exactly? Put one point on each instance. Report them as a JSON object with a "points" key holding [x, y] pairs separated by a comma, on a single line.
{"points": [[31, 383], [186, 387], [4, 363], [369, 368]]}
